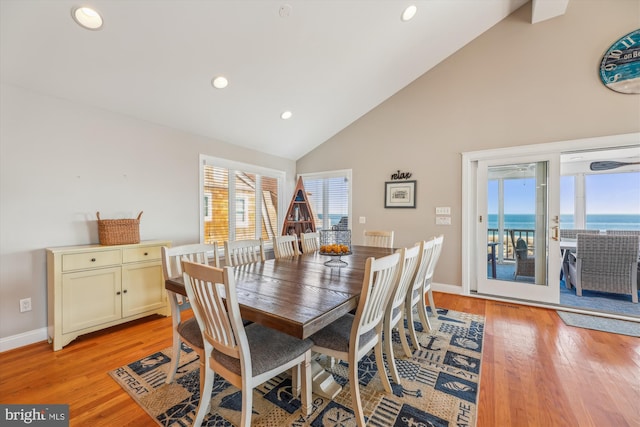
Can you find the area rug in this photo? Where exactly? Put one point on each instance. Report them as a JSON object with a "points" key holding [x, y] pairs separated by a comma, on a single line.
{"points": [[604, 324], [440, 385]]}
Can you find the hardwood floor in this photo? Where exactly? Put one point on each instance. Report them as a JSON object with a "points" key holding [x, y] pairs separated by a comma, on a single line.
{"points": [[536, 371]]}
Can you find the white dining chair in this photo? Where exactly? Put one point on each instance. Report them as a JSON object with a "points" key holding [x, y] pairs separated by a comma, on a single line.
{"points": [[285, 246], [394, 313], [185, 331], [240, 252], [426, 290], [413, 297], [310, 242], [244, 356], [379, 238], [351, 337]]}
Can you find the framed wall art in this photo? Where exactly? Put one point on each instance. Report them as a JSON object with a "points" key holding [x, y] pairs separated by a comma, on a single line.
{"points": [[400, 194]]}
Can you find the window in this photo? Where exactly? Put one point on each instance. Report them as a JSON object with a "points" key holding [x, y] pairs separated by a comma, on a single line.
{"points": [[612, 201], [206, 205], [330, 198], [600, 201], [240, 201], [567, 202], [242, 212]]}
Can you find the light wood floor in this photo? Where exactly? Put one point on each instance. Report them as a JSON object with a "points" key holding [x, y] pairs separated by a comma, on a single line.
{"points": [[536, 371]]}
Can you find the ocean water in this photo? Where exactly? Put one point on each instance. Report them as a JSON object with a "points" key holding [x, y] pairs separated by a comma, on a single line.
{"points": [[599, 222]]}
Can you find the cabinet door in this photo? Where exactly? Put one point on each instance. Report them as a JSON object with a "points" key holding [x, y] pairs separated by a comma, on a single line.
{"points": [[90, 298], [142, 288]]}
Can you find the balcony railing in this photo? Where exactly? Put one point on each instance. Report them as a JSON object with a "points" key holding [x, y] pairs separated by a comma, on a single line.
{"points": [[505, 250]]}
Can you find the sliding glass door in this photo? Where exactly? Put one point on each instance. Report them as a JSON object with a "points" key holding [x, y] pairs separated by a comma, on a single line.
{"points": [[517, 228]]}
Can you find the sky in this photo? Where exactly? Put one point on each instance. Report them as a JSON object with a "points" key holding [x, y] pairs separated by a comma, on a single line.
{"points": [[611, 193]]}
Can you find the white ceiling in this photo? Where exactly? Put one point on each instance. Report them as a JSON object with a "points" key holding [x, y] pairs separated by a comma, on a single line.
{"points": [[328, 61]]}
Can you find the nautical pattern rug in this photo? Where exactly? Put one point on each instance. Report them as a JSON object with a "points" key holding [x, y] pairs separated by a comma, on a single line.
{"points": [[440, 385]]}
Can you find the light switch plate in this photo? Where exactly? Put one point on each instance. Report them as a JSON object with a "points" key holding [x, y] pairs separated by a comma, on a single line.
{"points": [[362, 220], [443, 210]]}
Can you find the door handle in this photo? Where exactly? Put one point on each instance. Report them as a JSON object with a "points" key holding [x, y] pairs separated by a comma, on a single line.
{"points": [[556, 232]]}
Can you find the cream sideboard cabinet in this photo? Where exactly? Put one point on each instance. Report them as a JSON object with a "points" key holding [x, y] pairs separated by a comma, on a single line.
{"points": [[92, 287]]}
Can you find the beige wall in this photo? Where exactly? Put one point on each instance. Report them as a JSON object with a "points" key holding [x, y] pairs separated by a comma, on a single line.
{"points": [[60, 162], [516, 84]]}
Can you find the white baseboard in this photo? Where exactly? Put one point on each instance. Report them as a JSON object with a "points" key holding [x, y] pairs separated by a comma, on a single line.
{"points": [[25, 338], [447, 289]]}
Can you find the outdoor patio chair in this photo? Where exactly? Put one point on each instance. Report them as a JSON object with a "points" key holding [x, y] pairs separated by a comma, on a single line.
{"points": [[525, 266], [606, 263]]}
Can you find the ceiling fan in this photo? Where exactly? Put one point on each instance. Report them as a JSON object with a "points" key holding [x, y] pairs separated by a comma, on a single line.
{"points": [[603, 166]]}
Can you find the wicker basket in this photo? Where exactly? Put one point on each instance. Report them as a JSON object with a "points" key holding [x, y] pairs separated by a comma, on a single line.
{"points": [[118, 231]]}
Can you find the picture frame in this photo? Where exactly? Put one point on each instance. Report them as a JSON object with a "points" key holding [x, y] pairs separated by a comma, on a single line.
{"points": [[400, 194]]}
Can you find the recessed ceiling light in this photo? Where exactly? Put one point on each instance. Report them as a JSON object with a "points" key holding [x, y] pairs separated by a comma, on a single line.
{"points": [[220, 82], [87, 18], [409, 13], [286, 115]]}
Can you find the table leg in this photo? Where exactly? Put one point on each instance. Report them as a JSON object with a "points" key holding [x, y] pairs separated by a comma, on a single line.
{"points": [[323, 382], [565, 268], [493, 261]]}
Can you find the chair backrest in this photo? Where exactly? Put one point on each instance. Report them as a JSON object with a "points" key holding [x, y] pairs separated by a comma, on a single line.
{"points": [[624, 232], [285, 246], [417, 281], [240, 252], [196, 252], [214, 299], [381, 239], [310, 242], [409, 260], [377, 285], [571, 233], [602, 253], [435, 256], [520, 247]]}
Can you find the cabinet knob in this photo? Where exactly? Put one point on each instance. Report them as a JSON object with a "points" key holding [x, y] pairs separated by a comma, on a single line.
{"points": [[118, 293], [146, 253], [93, 260], [124, 292]]}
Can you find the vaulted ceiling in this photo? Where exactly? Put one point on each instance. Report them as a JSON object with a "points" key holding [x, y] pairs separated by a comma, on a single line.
{"points": [[328, 62]]}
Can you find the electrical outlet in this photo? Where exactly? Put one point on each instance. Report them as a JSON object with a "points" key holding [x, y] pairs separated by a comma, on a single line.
{"points": [[363, 220], [443, 220], [25, 305]]}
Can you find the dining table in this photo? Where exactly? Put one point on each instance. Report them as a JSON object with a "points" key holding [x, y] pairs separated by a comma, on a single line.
{"points": [[299, 295]]}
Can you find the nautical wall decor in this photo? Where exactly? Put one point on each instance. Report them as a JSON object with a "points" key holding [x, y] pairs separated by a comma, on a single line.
{"points": [[400, 175], [400, 194], [620, 65]]}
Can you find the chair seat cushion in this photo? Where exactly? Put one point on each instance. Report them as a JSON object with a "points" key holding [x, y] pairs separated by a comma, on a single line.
{"points": [[336, 335], [190, 332], [269, 349]]}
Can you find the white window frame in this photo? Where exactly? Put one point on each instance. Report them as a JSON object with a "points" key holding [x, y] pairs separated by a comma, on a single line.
{"points": [[339, 173], [233, 166]]}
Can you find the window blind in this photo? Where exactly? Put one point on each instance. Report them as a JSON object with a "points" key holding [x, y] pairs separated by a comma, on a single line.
{"points": [[330, 198]]}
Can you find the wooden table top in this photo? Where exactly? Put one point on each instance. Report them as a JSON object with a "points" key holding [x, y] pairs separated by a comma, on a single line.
{"points": [[298, 295]]}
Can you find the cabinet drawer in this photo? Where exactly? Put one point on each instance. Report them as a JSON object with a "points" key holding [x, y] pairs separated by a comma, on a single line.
{"points": [[84, 260], [144, 253]]}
